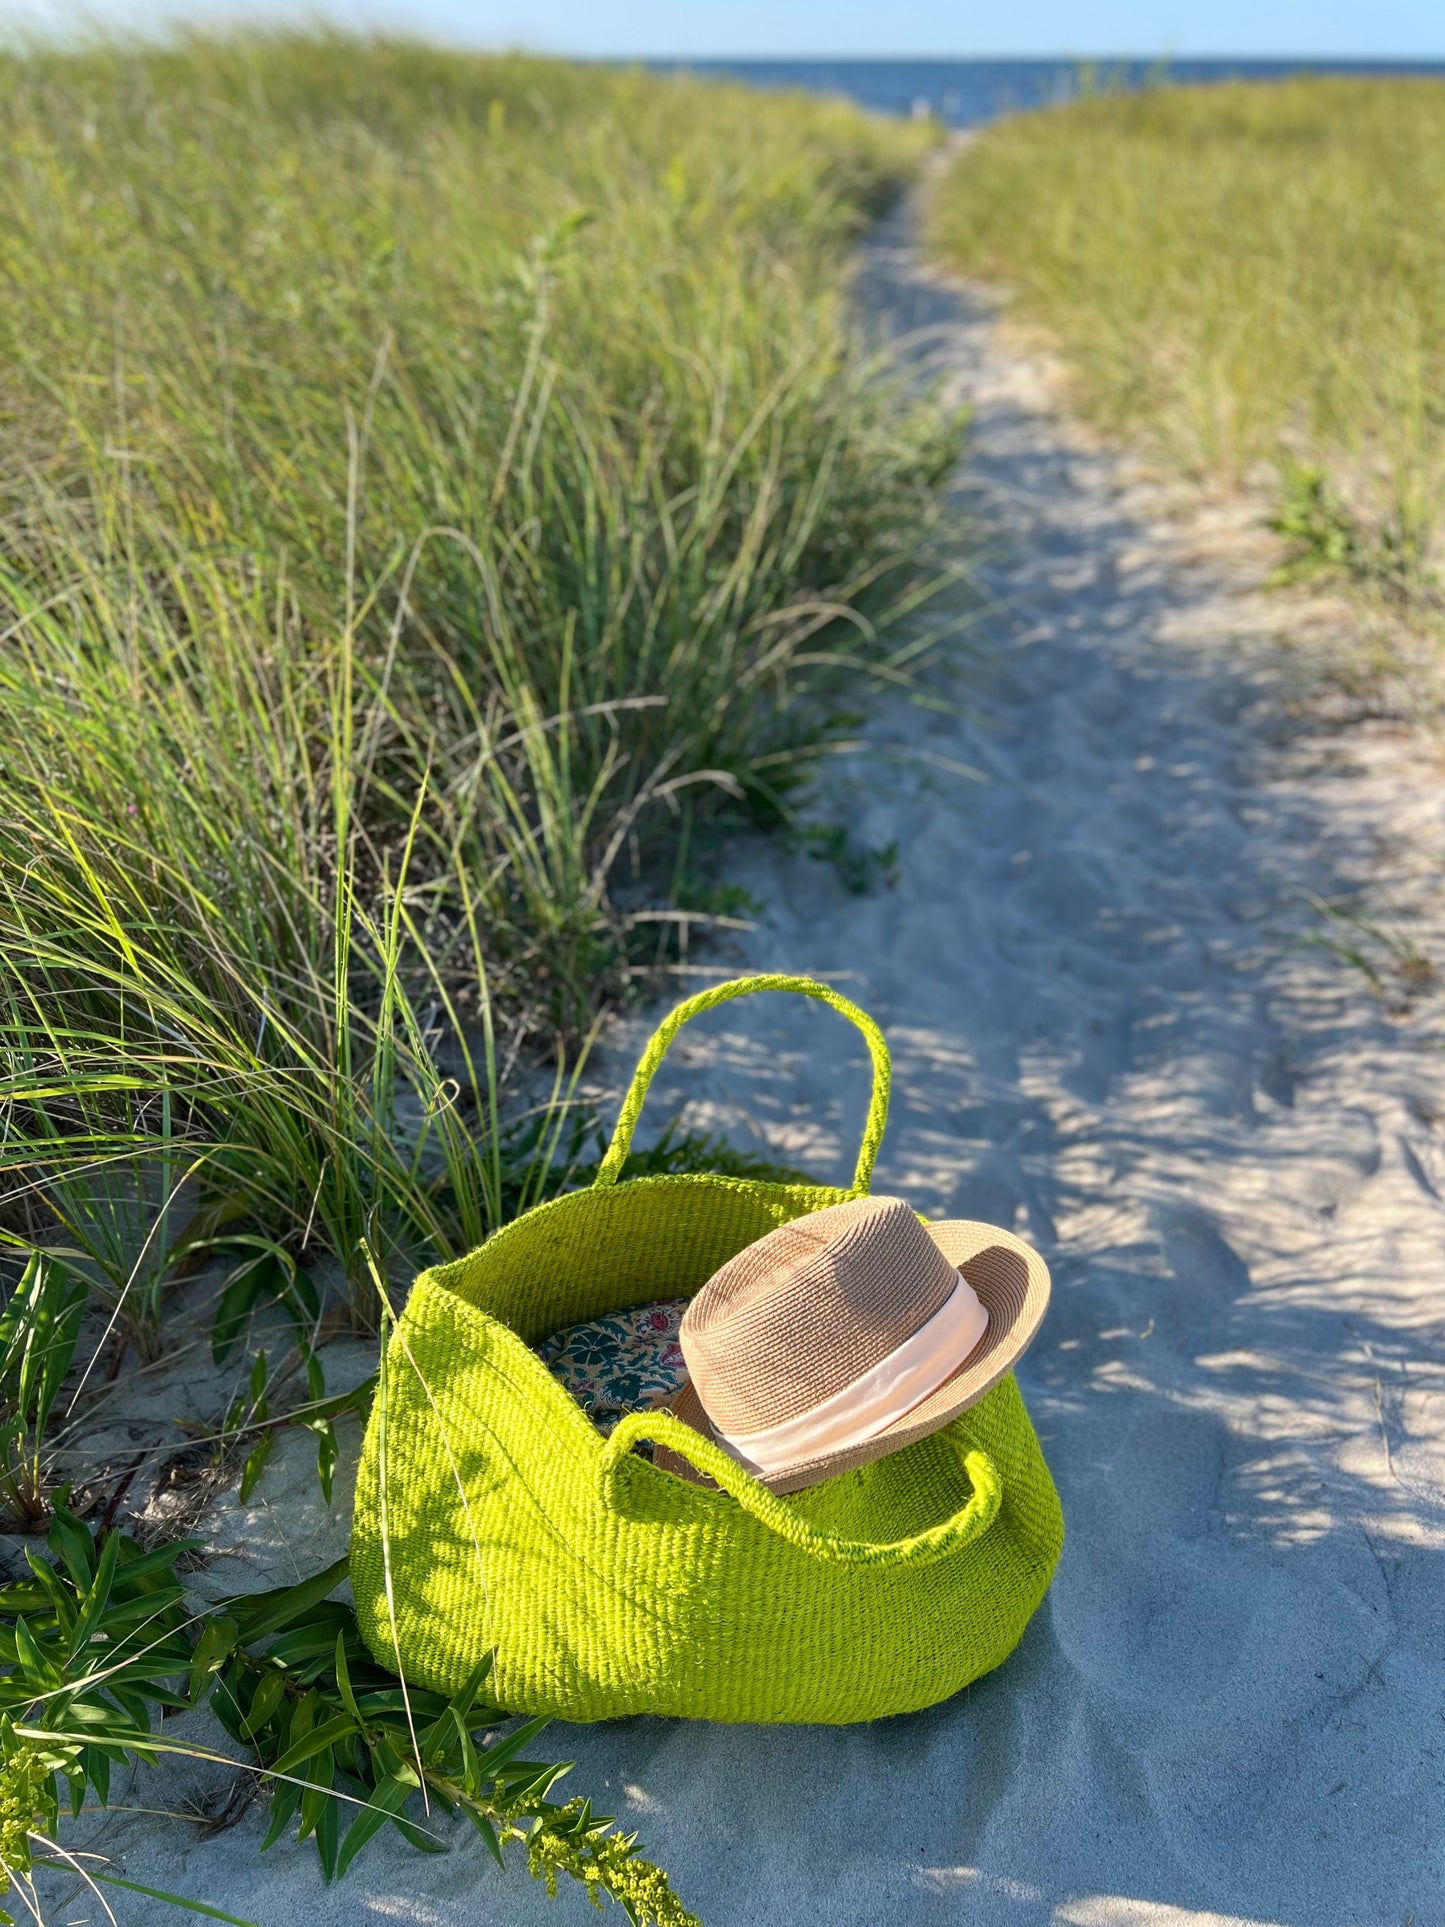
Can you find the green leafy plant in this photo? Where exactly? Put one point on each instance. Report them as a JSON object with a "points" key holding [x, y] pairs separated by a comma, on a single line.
{"points": [[95, 1643], [294, 1681], [266, 1273], [38, 1333], [1324, 537], [249, 1421], [858, 866], [90, 1645]]}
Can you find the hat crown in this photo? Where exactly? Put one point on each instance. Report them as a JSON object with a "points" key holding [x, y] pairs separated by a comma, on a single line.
{"points": [[808, 1309]]}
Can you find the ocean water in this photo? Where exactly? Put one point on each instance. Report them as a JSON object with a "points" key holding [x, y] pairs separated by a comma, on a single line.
{"points": [[966, 93]]}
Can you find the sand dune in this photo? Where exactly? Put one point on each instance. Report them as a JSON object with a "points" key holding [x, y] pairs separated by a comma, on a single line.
{"points": [[1111, 1033]]}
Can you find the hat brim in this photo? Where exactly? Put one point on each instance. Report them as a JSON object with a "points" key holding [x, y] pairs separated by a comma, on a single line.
{"points": [[1012, 1283]]}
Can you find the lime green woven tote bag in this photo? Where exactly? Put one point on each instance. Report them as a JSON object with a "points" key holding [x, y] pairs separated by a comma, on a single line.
{"points": [[491, 1516]]}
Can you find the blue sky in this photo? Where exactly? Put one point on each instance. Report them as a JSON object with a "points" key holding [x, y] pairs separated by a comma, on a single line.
{"points": [[1389, 29]]}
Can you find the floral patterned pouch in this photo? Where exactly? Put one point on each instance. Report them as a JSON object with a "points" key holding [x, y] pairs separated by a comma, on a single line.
{"points": [[630, 1361]]}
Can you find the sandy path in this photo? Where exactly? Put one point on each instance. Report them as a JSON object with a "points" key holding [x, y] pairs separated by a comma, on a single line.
{"points": [[1232, 1707]]}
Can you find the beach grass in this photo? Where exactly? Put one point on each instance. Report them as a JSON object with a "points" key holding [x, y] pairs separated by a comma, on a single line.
{"points": [[428, 485], [1250, 278]]}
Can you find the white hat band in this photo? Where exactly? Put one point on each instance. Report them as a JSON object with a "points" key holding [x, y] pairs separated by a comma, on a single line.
{"points": [[886, 1392]]}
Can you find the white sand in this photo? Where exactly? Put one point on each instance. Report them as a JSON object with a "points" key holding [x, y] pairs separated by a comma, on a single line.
{"points": [[1108, 1035]]}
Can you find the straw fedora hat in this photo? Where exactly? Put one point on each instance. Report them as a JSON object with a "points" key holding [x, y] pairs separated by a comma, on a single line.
{"points": [[849, 1333]]}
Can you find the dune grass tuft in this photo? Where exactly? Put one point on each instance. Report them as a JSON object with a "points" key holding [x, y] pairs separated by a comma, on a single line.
{"points": [[1253, 277], [426, 484]]}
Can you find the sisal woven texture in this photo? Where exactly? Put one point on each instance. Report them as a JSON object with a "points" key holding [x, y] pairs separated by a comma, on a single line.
{"points": [[497, 1519]]}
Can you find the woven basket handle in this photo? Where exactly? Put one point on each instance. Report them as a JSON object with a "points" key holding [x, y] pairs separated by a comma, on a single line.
{"points": [[611, 1166], [968, 1524]]}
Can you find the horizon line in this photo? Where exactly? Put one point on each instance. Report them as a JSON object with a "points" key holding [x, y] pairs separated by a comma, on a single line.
{"points": [[1067, 59]]}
